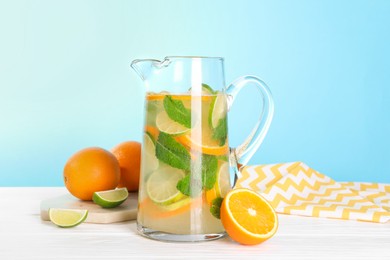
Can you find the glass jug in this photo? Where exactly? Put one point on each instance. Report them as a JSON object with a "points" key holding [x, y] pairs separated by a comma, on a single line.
{"points": [[187, 166]]}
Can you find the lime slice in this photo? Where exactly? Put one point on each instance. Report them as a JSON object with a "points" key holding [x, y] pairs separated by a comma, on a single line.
{"points": [[218, 110], [110, 198], [222, 184], [150, 161], [161, 185], [67, 217], [165, 124], [206, 90], [178, 204]]}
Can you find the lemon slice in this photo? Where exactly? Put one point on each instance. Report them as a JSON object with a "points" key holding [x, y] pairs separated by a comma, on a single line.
{"points": [[218, 109], [150, 160], [110, 198], [161, 185], [67, 217], [167, 125]]}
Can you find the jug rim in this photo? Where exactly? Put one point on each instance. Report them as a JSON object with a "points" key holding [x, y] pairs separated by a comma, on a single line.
{"points": [[193, 57]]}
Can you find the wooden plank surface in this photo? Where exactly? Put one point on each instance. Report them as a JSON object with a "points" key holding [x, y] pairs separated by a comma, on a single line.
{"points": [[24, 235]]}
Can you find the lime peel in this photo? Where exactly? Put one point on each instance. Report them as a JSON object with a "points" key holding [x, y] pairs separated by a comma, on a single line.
{"points": [[110, 198]]}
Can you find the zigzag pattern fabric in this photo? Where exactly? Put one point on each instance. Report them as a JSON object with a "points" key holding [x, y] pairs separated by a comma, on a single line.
{"points": [[295, 188]]}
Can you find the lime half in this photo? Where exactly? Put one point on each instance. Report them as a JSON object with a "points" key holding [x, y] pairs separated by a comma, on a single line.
{"points": [[67, 217], [110, 198], [165, 124], [161, 185], [218, 109]]}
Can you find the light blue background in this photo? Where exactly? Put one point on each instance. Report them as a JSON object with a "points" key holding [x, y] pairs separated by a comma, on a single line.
{"points": [[65, 81]]}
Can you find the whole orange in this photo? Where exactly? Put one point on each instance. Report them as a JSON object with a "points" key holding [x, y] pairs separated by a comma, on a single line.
{"points": [[90, 170], [128, 155]]}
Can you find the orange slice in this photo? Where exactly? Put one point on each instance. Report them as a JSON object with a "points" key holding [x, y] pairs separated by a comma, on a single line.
{"points": [[207, 146], [247, 217], [153, 131], [178, 97]]}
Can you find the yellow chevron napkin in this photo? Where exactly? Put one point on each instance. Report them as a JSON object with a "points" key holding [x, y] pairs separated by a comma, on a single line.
{"points": [[294, 188]]}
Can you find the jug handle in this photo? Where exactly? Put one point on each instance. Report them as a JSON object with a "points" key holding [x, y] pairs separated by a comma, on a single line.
{"points": [[241, 154]]}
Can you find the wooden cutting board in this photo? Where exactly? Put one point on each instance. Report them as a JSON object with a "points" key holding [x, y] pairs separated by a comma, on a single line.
{"points": [[96, 214]]}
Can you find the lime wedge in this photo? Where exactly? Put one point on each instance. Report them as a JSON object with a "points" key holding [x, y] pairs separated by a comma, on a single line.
{"points": [[161, 185], [165, 124], [150, 161], [66, 218], [218, 110], [110, 198], [222, 185]]}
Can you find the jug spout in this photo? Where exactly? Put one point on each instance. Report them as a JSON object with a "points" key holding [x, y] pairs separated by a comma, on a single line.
{"points": [[144, 68]]}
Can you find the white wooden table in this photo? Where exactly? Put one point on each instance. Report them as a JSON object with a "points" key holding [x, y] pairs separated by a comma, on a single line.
{"points": [[23, 235]]}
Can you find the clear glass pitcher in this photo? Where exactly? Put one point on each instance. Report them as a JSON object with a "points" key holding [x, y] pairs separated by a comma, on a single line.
{"points": [[187, 166]]}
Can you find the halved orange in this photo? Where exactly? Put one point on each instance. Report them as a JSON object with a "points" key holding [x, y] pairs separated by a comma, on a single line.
{"points": [[247, 217]]}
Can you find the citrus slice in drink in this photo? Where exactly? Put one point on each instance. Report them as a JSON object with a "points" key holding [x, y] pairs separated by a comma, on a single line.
{"points": [[247, 217], [150, 160], [110, 198], [206, 145], [206, 90], [218, 110], [161, 96], [222, 185], [165, 124], [161, 185], [67, 217]]}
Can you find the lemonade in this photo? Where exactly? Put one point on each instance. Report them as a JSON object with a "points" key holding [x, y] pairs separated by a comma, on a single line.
{"points": [[185, 169]]}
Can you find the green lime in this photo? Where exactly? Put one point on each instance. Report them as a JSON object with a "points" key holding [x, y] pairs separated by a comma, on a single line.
{"points": [[161, 185], [110, 198], [165, 124], [67, 217], [218, 110], [207, 90], [150, 160], [178, 204], [222, 184]]}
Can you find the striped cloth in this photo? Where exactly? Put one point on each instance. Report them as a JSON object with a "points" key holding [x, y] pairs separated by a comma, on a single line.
{"points": [[294, 188]]}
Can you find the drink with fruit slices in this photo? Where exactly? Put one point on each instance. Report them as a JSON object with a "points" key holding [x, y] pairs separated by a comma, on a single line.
{"points": [[186, 163], [185, 170]]}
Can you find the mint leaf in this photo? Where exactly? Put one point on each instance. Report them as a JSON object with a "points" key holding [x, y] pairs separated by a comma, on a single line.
{"points": [[209, 171], [220, 132], [203, 175], [177, 112], [215, 208], [171, 152], [189, 186]]}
